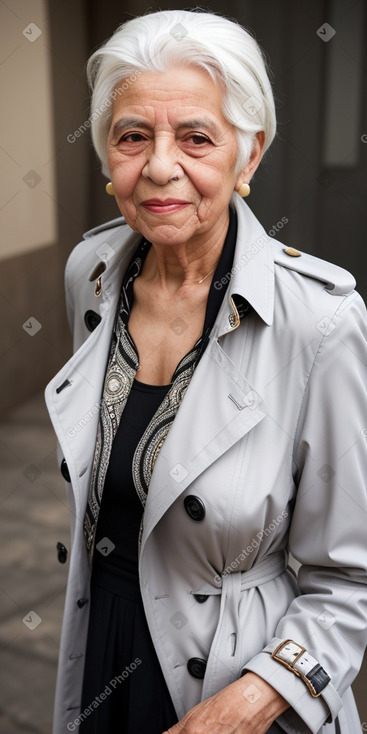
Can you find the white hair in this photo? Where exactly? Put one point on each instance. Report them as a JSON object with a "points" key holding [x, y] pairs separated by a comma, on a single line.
{"points": [[157, 41]]}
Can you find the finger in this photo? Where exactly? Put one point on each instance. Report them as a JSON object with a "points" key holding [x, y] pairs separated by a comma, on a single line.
{"points": [[176, 729]]}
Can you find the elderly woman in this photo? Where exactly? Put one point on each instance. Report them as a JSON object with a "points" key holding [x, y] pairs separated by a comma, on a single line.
{"points": [[212, 422]]}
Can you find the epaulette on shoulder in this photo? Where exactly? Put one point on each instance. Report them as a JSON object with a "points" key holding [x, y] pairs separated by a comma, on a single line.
{"points": [[337, 281], [102, 227]]}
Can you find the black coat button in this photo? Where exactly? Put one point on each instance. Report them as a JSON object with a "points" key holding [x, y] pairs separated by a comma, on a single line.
{"points": [[196, 667], [81, 602], [91, 320], [65, 471], [200, 598], [62, 553], [194, 507]]}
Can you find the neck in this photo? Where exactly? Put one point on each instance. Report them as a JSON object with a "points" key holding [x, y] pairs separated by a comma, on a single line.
{"points": [[174, 267]]}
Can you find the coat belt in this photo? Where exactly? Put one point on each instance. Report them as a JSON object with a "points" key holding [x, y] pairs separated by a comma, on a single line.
{"points": [[265, 570], [269, 568], [224, 662]]}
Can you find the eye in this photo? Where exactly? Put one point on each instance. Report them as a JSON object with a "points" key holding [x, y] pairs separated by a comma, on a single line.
{"points": [[132, 138], [199, 139]]}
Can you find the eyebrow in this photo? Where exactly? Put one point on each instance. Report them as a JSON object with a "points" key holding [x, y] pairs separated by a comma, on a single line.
{"points": [[132, 122]]}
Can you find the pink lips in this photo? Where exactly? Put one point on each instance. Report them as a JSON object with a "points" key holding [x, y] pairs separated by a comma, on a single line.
{"points": [[164, 206]]}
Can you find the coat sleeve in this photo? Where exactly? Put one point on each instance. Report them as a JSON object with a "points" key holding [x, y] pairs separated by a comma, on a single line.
{"points": [[328, 531]]}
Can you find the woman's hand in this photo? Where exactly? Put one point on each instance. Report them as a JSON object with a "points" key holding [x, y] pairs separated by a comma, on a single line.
{"points": [[247, 706]]}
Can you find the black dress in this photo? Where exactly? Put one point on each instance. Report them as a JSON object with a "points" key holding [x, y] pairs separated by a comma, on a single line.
{"points": [[118, 637], [124, 691]]}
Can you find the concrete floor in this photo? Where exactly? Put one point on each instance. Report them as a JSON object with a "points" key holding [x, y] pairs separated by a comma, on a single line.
{"points": [[34, 516]]}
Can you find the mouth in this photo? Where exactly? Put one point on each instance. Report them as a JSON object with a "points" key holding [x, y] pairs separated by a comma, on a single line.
{"points": [[164, 206]]}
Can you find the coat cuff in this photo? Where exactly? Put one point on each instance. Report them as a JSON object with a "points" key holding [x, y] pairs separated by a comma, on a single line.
{"points": [[307, 714]]}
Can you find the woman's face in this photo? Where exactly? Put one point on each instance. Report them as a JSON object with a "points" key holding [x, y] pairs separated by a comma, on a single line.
{"points": [[169, 140]]}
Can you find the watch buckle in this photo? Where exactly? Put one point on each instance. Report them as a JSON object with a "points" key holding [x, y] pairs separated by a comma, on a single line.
{"points": [[285, 662]]}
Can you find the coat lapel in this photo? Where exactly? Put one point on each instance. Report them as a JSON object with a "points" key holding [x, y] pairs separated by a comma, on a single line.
{"points": [[73, 395], [219, 408]]}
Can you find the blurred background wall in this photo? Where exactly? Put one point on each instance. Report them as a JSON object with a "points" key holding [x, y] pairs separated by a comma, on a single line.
{"points": [[52, 189]]}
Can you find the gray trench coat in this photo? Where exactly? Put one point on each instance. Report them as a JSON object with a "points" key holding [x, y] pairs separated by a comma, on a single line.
{"points": [[271, 439]]}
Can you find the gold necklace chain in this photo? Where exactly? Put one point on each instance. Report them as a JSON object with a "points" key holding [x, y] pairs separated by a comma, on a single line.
{"points": [[200, 281]]}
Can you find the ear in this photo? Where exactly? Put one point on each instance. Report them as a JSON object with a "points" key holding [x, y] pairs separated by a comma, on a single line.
{"points": [[248, 171]]}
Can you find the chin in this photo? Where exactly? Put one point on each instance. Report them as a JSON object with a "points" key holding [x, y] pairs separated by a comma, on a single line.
{"points": [[167, 240], [166, 234]]}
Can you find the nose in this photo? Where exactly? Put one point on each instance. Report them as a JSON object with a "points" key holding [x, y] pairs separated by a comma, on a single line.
{"points": [[162, 162]]}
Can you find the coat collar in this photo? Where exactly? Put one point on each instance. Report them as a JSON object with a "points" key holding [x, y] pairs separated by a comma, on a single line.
{"points": [[251, 276]]}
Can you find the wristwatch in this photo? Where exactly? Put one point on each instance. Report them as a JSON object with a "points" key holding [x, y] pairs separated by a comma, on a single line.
{"points": [[299, 661]]}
